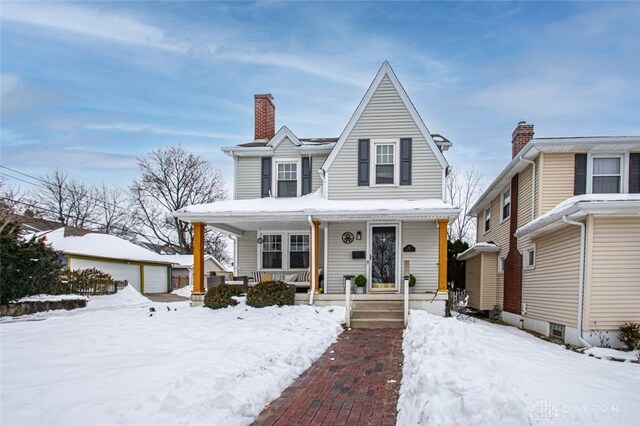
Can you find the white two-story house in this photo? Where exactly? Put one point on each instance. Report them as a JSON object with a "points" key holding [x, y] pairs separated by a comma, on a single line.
{"points": [[314, 211]]}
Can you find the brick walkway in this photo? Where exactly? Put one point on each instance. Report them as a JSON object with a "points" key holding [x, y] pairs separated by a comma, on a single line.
{"points": [[356, 382]]}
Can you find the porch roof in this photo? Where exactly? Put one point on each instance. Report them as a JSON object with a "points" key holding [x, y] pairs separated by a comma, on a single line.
{"points": [[487, 247], [247, 214]]}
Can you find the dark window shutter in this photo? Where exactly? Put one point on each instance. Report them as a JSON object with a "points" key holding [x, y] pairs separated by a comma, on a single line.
{"points": [[265, 177], [306, 175], [363, 162], [580, 176], [405, 161], [634, 173]]}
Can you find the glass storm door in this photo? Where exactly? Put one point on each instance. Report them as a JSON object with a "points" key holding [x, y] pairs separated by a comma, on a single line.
{"points": [[383, 257]]}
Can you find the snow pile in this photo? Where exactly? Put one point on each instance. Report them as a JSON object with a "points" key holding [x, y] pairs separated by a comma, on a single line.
{"points": [[176, 365], [52, 298], [477, 373], [608, 353], [127, 297], [184, 291]]}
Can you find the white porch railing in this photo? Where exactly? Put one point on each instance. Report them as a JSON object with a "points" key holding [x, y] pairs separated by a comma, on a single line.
{"points": [[406, 300], [347, 302]]}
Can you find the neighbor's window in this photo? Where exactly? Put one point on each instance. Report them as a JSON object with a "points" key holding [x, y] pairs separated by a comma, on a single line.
{"points": [[287, 179], [272, 251], [385, 164], [606, 175], [501, 261], [298, 251], [530, 257], [487, 219], [506, 203]]}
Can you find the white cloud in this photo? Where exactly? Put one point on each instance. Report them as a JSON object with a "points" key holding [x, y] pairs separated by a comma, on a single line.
{"points": [[159, 130], [91, 22]]}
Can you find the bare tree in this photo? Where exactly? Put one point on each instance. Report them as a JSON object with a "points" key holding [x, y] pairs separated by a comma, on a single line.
{"points": [[173, 178], [66, 200], [463, 189], [13, 201], [113, 211]]}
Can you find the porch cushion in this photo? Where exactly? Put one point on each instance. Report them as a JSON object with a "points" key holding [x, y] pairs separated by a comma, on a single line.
{"points": [[266, 276], [302, 276], [277, 276]]}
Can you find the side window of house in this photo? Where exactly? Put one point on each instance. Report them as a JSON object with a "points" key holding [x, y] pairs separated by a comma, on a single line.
{"points": [[530, 258], [287, 185], [487, 219], [606, 175], [501, 261], [298, 251], [506, 204], [385, 164], [272, 251]]}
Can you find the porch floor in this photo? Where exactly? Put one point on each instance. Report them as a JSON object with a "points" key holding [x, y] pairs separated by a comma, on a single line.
{"points": [[355, 382]]}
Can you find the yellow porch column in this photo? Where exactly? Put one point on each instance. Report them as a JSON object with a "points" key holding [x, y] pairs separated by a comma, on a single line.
{"points": [[198, 258], [442, 254], [316, 253]]}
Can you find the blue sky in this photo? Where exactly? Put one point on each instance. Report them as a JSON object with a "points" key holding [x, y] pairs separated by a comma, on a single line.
{"points": [[91, 86]]}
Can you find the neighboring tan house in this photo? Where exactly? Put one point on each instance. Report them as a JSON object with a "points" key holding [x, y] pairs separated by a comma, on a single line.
{"points": [[368, 202], [182, 269], [146, 271], [558, 237]]}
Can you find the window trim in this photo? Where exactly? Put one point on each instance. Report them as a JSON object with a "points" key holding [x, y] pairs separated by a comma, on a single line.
{"points": [[527, 250], [502, 198], [372, 162], [286, 242], [274, 177], [484, 221], [501, 263], [624, 170]]}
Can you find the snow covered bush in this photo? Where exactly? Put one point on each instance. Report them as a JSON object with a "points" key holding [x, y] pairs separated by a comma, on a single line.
{"points": [[221, 296], [630, 335], [27, 267], [271, 293]]}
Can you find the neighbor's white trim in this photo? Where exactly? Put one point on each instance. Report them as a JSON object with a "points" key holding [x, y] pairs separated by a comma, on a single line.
{"points": [[385, 70], [235, 177], [373, 164], [235, 256]]}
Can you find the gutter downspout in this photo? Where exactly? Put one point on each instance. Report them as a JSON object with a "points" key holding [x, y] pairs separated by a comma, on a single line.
{"points": [[312, 243], [580, 277], [533, 185]]}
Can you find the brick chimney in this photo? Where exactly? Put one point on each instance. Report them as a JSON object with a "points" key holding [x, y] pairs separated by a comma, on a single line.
{"points": [[520, 136], [265, 116]]}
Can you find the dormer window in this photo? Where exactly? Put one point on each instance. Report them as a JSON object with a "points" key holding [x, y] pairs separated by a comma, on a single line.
{"points": [[606, 175], [287, 181], [385, 168]]}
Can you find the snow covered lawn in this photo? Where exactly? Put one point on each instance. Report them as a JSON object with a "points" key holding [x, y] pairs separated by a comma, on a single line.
{"points": [[464, 373], [111, 363]]}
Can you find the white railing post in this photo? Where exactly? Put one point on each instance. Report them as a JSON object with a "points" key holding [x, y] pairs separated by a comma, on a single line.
{"points": [[347, 302], [406, 300]]}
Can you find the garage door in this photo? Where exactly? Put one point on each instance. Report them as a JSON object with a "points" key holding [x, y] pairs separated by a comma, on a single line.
{"points": [[155, 279], [119, 271]]}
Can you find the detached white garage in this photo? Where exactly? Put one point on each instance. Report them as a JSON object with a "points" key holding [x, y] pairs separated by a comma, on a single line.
{"points": [[146, 271]]}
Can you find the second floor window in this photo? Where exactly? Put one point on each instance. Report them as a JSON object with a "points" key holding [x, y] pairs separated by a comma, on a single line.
{"points": [[487, 219], [506, 203], [385, 164], [606, 175], [287, 180]]}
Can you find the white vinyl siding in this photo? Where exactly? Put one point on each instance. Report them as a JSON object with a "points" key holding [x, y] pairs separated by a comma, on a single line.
{"points": [[340, 260], [247, 253], [155, 279], [385, 117], [550, 291], [424, 261], [317, 161], [248, 170]]}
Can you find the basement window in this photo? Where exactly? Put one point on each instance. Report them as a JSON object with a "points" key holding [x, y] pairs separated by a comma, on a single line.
{"points": [[557, 331]]}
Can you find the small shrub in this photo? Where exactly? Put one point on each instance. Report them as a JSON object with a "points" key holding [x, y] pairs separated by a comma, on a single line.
{"points": [[270, 293], [630, 335], [221, 296], [412, 280], [361, 281], [84, 281]]}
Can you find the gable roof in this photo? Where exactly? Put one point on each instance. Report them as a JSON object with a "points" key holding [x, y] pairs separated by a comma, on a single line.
{"points": [[385, 70], [281, 135]]}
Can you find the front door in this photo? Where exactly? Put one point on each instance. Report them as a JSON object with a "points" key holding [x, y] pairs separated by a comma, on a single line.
{"points": [[383, 257]]}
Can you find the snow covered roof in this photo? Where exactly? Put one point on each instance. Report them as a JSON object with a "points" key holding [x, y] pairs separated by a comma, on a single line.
{"points": [[315, 205], [487, 247], [186, 260], [563, 144], [94, 244], [582, 205]]}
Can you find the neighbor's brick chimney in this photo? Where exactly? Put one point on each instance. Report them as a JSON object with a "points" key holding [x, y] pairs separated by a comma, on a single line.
{"points": [[520, 136], [265, 116]]}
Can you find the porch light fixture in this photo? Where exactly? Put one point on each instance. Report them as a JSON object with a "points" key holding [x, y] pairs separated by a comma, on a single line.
{"points": [[259, 241], [358, 235]]}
